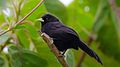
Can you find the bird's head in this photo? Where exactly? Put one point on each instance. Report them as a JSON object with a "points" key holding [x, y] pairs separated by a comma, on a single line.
{"points": [[48, 18]]}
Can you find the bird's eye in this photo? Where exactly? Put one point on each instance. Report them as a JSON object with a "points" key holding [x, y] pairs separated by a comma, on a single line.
{"points": [[46, 18]]}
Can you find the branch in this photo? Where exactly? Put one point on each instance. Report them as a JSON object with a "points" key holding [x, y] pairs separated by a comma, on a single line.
{"points": [[9, 29], [53, 48], [30, 12], [83, 54]]}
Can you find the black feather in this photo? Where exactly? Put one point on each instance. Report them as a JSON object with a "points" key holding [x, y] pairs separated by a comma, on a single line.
{"points": [[64, 37]]}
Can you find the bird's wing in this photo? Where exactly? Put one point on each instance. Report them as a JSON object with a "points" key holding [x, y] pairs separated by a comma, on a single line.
{"points": [[71, 31], [71, 34], [66, 37], [66, 33]]}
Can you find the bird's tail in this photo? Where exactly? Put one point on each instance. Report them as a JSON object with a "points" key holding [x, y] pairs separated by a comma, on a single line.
{"points": [[90, 52]]}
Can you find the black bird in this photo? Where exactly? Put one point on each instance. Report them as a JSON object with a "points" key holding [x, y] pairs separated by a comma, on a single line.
{"points": [[64, 37]]}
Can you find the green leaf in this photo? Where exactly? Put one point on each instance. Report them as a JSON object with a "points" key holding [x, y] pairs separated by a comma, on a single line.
{"points": [[4, 38], [25, 58], [34, 35], [24, 39], [20, 27], [57, 8], [69, 56], [32, 31], [46, 54]]}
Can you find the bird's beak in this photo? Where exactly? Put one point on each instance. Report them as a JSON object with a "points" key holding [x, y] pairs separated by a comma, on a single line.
{"points": [[41, 20]]}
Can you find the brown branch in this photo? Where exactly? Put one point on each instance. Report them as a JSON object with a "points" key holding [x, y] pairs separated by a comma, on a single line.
{"points": [[5, 31], [83, 54], [53, 48], [9, 29]]}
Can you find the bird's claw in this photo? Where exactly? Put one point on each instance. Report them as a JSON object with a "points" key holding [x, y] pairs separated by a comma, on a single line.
{"points": [[60, 55], [42, 34]]}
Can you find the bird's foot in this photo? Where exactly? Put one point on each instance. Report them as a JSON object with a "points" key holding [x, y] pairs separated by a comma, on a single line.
{"points": [[60, 55], [42, 34]]}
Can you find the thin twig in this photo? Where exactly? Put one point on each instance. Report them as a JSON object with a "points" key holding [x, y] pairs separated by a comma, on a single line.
{"points": [[30, 12], [9, 29], [5, 31], [53, 48]]}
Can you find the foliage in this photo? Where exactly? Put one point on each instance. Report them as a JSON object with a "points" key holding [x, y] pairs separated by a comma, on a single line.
{"points": [[23, 46]]}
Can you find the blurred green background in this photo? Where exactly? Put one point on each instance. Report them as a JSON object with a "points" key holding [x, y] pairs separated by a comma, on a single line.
{"points": [[96, 19]]}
